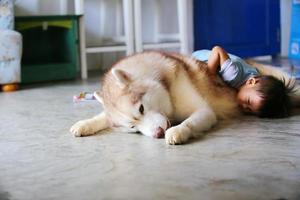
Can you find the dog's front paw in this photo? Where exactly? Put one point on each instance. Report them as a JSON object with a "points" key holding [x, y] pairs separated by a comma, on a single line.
{"points": [[81, 128], [176, 135]]}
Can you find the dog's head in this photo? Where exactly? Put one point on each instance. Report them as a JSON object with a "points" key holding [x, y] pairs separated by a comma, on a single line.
{"points": [[136, 105]]}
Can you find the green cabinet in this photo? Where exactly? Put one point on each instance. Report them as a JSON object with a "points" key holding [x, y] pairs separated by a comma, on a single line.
{"points": [[50, 47]]}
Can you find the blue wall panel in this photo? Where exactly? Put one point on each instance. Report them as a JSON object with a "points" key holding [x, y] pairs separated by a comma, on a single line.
{"points": [[243, 27]]}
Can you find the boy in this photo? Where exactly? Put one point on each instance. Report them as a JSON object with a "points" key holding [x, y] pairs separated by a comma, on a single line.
{"points": [[264, 96]]}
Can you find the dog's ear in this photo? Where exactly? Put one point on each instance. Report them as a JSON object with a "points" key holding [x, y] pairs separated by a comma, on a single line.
{"points": [[98, 96], [121, 76]]}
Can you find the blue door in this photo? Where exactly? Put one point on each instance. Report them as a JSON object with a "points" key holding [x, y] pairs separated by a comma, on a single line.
{"points": [[243, 27]]}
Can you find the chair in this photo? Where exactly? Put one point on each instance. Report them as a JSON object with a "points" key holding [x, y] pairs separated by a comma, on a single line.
{"points": [[10, 48], [126, 38], [180, 38]]}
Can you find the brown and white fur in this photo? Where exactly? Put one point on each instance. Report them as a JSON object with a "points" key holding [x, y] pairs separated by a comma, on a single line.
{"points": [[149, 91]]}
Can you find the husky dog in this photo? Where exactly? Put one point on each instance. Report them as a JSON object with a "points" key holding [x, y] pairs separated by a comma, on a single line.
{"points": [[149, 92]]}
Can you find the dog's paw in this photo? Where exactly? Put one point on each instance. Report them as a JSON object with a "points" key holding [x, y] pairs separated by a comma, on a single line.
{"points": [[176, 135], [81, 128]]}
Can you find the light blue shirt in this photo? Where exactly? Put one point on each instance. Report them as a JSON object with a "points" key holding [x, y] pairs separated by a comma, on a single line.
{"points": [[234, 71]]}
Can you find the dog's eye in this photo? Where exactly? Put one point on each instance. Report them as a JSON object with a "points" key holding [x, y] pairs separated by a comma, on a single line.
{"points": [[132, 127], [141, 109]]}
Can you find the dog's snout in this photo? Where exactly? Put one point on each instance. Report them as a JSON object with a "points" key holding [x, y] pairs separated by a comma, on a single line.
{"points": [[159, 132]]}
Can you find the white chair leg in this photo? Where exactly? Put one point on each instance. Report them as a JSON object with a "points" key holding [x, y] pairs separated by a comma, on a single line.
{"points": [[128, 26], [63, 7], [83, 62], [119, 18], [79, 10], [103, 19], [120, 23], [183, 28], [156, 15], [138, 25]]}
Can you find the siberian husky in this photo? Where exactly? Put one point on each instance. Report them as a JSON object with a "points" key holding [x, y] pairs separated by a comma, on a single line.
{"points": [[162, 95]]}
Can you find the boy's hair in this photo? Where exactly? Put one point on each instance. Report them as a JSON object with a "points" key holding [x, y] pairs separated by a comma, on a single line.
{"points": [[276, 101]]}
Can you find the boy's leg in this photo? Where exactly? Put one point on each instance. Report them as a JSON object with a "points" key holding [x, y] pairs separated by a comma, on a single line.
{"points": [[217, 57]]}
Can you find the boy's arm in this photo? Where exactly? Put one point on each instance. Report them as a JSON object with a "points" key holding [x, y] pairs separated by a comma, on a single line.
{"points": [[217, 57]]}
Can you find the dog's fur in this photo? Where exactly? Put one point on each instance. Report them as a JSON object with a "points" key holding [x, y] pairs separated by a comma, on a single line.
{"points": [[149, 91]]}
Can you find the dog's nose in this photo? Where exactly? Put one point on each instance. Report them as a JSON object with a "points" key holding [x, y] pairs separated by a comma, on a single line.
{"points": [[159, 133]]}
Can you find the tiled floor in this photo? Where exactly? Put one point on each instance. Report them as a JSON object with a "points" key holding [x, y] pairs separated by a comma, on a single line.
{"points": [[248, 158]]}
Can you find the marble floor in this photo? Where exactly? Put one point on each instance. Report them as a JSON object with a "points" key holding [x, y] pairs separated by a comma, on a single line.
{"points": [[248, 158]]}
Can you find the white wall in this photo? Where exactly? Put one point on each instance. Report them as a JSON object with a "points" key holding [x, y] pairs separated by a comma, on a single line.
{"points": [[42, 7], [95, 31]]}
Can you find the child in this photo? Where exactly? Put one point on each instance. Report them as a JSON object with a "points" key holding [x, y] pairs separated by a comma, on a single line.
{"points": [[264, 96]]}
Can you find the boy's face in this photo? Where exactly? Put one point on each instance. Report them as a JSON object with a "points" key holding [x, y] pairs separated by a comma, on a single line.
{"points": [[249, 98]]}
